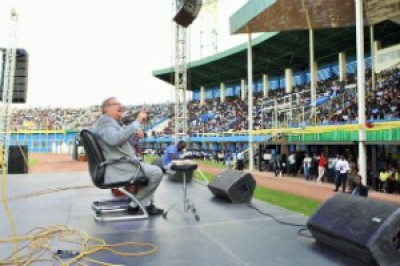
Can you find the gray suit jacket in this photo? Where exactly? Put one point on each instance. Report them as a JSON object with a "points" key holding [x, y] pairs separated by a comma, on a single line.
{"points": [[114, 142]]}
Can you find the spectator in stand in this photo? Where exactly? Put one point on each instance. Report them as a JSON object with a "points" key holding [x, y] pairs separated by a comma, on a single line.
{"points": [[359, 189], [336, 168], [353, 172], [292, 164], [278, 164], [389, 185], [331, 167], [383, 177], [343, 166], [221, 157], [239, 160], [306, 164], [396, 177], [283, 164], [321, 167], [314, 167]]}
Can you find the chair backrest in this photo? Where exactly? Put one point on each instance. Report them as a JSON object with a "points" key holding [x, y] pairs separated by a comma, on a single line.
{"points": [[94, 156]]}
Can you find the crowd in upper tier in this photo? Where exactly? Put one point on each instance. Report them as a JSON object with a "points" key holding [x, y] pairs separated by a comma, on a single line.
{"points": [[336, 103]]}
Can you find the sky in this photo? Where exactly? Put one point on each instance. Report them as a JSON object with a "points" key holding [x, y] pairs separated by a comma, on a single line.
{"points": [[83, 51]]}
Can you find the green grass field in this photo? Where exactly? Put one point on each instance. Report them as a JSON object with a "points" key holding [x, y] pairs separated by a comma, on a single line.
{"points": [[32, 162], [289, 201]]}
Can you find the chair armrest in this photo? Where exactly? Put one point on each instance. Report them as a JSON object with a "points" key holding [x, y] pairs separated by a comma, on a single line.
{"points": [[136, 180], [121, 160]]}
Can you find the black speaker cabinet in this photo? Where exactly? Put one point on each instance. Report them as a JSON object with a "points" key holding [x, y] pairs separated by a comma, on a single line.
{"points": [[187, 12], [18, 159], [360, 227], [233, 185], [20, 75]]}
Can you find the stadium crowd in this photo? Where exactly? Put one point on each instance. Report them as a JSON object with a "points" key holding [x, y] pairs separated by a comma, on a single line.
{"points": [[337, 103], [55, 118], [381, 103]]}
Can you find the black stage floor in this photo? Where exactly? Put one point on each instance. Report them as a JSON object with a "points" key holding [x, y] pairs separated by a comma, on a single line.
{"points": [[227, 234]]}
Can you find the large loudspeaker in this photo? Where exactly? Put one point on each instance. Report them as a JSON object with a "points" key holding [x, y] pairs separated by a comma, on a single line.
{"points": [[18, 159], [20, 75], [187, 11], [360, 227], [233, 185]]}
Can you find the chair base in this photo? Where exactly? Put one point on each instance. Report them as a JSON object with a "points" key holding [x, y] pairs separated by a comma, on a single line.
{"points": [[110, 205], [121, 215], [117, 209]]}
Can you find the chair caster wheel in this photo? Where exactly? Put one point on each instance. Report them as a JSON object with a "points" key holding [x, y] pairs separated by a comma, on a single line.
{"points": [[197, 218], [164, 215]]}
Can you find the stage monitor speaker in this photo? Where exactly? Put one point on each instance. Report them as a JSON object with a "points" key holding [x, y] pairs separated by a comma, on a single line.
{"points": [[233, 185], [187, 12], [20, 75], [359, 227], [18, 159]]}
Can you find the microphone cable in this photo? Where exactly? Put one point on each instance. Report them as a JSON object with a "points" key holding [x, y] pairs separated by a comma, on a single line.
{"points": [[299, 232]]}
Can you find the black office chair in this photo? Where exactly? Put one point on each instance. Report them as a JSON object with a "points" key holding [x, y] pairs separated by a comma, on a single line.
{"points": [[111, 210]]}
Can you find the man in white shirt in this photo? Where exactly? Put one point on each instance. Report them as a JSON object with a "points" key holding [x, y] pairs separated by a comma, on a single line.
{"points": [[240, 159], [292, 164], [343, 166]]}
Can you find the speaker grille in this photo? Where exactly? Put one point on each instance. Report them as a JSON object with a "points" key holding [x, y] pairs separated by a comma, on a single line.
{"points": [[187, 12], [17, 159], [20, 75], [360, 227], [234, 186]]}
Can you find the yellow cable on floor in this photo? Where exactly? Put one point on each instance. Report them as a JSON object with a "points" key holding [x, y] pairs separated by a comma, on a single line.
{"points": [[48, 240], [8, 212]]}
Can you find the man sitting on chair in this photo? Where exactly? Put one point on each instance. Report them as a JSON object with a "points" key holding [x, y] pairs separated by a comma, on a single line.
{"points": [[359, 189], [115, 143], [173, 152]]}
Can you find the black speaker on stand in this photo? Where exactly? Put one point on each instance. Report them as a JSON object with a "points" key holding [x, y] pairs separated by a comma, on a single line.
{"points": [[233, 186], [359, 227], [187, 11], [18, 159], [20, 75]]}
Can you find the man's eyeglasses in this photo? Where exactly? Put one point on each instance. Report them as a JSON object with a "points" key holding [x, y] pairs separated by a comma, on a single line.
{"points": [[118, 104]]}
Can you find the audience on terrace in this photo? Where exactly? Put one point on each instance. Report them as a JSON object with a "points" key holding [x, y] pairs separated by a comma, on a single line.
{"points": [[337, 103], [54, 118]]}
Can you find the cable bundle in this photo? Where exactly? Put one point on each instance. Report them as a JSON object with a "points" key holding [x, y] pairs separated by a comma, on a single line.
{"points": [[66, 246]]}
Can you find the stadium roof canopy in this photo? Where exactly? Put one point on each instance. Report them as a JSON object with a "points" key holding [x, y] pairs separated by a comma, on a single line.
{"points": [[276, 50], [281, 15]]}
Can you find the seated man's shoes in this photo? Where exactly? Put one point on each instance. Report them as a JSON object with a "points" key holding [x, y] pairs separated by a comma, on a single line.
{"points": [[134, 210], [153, 210]]}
